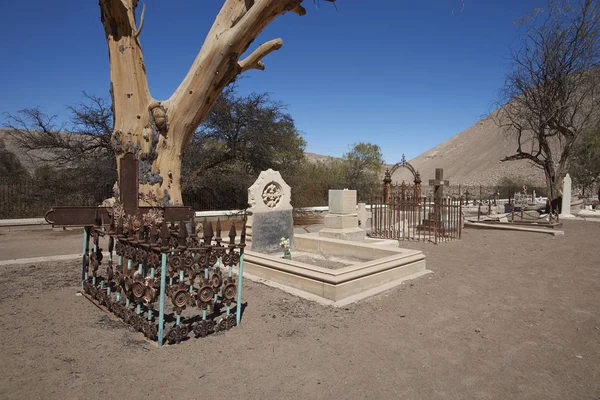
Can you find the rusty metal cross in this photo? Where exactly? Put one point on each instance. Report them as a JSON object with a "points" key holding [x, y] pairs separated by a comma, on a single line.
{"points": [[129, 192], [438, 183]]}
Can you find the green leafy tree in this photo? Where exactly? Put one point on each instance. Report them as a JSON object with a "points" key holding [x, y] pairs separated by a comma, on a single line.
{"points": [[241, 136], [10, 166], [585, 166], [364, 163], [311, 181]]}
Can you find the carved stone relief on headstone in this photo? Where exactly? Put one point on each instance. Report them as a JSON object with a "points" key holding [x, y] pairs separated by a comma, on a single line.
{"points": [[271, 212]]}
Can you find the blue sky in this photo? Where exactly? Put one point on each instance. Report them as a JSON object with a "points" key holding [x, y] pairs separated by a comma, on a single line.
{"points": [[406, 75]]}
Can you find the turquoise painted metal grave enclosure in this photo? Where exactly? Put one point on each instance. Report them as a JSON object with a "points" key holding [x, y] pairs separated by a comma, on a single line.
{"points": [[165, 283], [162, 260]]}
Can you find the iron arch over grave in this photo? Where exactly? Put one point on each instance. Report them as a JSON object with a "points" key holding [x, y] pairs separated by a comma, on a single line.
{"points": [[387, 180]]}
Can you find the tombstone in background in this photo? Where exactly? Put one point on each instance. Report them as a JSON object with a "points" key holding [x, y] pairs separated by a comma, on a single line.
{"points": [[566, 198], [364, 216], [342, 220], [438, 184], [271, 212], [429, 221]]}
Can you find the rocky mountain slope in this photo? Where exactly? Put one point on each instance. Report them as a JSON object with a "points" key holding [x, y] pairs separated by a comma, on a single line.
{"points": [[472, 158]]}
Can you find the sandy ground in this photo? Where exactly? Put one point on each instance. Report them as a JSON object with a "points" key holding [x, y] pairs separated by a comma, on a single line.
{"points": [[507, 315], [46, 241], [40, 243]]}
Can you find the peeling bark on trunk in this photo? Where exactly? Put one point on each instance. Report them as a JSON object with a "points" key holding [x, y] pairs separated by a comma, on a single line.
{"points": [[158, 132]]}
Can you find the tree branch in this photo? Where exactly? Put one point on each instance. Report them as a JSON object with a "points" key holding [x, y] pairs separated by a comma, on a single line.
{"points": [[520, 155], [253, 61], [138, 31], [301, 11], [217, 64]]}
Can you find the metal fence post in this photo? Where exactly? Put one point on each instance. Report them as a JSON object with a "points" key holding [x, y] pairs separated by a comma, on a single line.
{"points": [[86, 246], [163, 289], [238, 314]]}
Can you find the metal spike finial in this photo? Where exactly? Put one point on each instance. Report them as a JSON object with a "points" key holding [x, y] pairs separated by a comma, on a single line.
{"points": [[208, 232], [130, 231], [142, 234], [232, 235], [120, 227]]}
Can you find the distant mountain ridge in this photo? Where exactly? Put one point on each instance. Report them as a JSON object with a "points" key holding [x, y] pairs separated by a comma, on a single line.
{"points": [[314, 157], [472, 157]]}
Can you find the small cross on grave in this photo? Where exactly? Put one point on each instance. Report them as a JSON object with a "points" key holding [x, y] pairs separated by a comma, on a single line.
{"points": [[438, 183], [129, 193]]}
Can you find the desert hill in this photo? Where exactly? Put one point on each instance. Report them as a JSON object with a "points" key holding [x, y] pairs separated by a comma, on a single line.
{"points": [[314, 157], [472, 158], [10, 145]]}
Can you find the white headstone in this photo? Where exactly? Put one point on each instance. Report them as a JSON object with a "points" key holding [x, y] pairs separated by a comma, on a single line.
{"points": [[363, 216], [269, 193], [342, 201], [342, 220], [566, 198], [272, 219]]}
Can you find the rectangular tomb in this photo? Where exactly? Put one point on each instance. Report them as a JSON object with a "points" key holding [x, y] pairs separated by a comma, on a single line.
{"points": [[383, 268]]}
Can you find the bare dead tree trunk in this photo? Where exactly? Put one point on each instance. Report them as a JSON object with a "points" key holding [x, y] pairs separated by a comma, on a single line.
{"points": [[551, 94], [552, 183], [158, 131]]}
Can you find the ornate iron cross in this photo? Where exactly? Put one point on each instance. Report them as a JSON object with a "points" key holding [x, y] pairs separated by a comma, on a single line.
{"points": [[129, 197]]}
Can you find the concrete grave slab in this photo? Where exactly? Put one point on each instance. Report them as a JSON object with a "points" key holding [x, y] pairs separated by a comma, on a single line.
{"points": [[383, 268]]}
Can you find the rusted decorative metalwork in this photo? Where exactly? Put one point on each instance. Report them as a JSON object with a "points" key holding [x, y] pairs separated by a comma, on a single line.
{"points": [[404, 190], [388, 189], [129, 203], [406, 215], [167, 280], [162, 273], [417, 218]]}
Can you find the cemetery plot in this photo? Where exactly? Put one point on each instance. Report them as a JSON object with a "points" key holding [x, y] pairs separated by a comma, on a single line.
{"points": [[403, 214], [359, 269], [326, 261], [159, 274], [160, 257]]}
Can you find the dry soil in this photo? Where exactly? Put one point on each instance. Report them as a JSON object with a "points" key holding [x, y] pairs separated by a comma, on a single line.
{"points": [[506, 315]]}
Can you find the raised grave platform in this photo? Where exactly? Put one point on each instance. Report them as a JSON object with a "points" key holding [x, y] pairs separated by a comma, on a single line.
{"points": [[369, 269]]}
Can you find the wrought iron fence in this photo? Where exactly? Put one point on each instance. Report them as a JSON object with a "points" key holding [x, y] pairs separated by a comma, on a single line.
{"points": [[417, 218], [482, 193], [207, 201], [28, 198]]}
